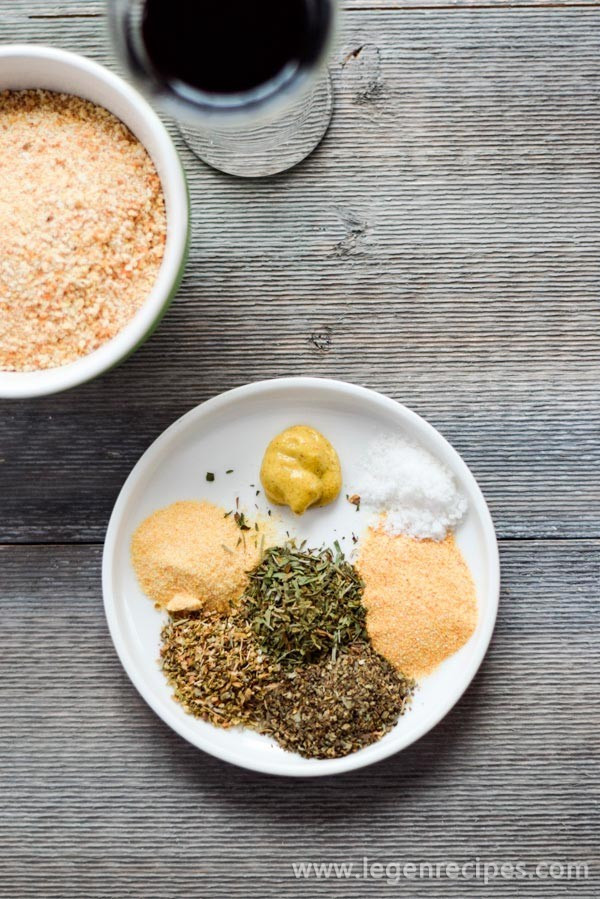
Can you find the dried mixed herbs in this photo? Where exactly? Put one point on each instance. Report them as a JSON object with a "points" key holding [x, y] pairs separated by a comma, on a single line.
{"points": [[304, 605], [328, 711], [292, 660]]}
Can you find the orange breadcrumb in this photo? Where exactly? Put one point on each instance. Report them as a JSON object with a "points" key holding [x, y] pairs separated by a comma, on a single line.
{"points": [[82, 228]]}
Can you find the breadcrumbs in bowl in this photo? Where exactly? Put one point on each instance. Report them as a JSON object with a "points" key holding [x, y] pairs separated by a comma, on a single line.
{"points": [[82, 228], [95, 220]]}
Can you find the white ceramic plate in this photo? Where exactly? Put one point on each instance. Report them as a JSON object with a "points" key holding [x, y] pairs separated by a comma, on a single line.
{"points": [[232, 431]]}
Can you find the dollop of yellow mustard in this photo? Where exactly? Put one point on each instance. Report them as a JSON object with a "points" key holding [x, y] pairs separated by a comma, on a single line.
{"points": [[300, 468]]}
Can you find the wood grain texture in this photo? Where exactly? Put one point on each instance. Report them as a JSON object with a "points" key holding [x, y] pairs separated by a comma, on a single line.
{"points": [[441, 246], [85, 8], [99, 798]]}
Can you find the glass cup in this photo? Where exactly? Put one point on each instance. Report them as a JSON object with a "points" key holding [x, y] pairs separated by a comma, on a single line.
{"points": [[261, 131]]}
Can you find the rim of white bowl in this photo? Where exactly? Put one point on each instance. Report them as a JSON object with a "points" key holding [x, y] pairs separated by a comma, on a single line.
{"points": [[377, 751], [22, 385]]}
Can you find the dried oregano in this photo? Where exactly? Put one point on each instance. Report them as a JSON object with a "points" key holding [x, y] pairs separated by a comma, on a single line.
{"points": [[215, 666]]}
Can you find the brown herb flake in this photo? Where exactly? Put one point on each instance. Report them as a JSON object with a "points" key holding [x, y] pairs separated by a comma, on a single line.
{"points": [[355, 500], [241, 521]]}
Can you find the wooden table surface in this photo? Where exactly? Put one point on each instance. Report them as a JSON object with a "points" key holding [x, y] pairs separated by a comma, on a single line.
{"points": [[441, 246]]}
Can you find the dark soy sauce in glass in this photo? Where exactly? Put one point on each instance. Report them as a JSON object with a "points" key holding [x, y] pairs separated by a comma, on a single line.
{"points": [[232, 46]]}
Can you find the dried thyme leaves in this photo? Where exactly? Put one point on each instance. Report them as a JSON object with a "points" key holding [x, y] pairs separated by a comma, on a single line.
{"points": [[329, 711], [215, 667], [305, 605]]}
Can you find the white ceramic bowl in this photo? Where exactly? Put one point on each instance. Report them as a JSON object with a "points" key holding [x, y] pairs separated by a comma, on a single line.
{"points": [[231, 431], [24, 66]]}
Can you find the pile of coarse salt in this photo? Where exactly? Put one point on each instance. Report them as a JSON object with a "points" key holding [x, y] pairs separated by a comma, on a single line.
{"points": [[416, 492]]}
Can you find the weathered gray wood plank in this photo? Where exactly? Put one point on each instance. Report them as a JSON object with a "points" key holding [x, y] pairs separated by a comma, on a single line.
{"points": [[99, 798], [81, 8], [442, 246]]}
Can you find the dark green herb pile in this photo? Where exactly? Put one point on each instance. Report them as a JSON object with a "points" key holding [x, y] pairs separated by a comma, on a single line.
{"points": [[293, 660], [327, 711], [305, 605]]}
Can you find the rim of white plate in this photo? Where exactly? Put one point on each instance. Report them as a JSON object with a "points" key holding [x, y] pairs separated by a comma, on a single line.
{"points": [[377, 751]]}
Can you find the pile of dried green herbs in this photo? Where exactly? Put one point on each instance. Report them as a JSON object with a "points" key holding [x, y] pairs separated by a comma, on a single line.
{"points": [[215, 666], [292, 660], [305, 605], [327, 711]]}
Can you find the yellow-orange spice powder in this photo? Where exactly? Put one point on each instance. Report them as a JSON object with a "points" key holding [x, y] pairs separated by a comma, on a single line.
{"points": [[420, 599], [189, 555]]}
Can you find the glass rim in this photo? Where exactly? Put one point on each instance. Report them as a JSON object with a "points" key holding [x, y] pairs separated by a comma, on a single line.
{"points": [[262, 97]]}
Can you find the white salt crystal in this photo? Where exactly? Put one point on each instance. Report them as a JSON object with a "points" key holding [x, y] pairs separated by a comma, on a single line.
{"points": [[416, 491]]}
